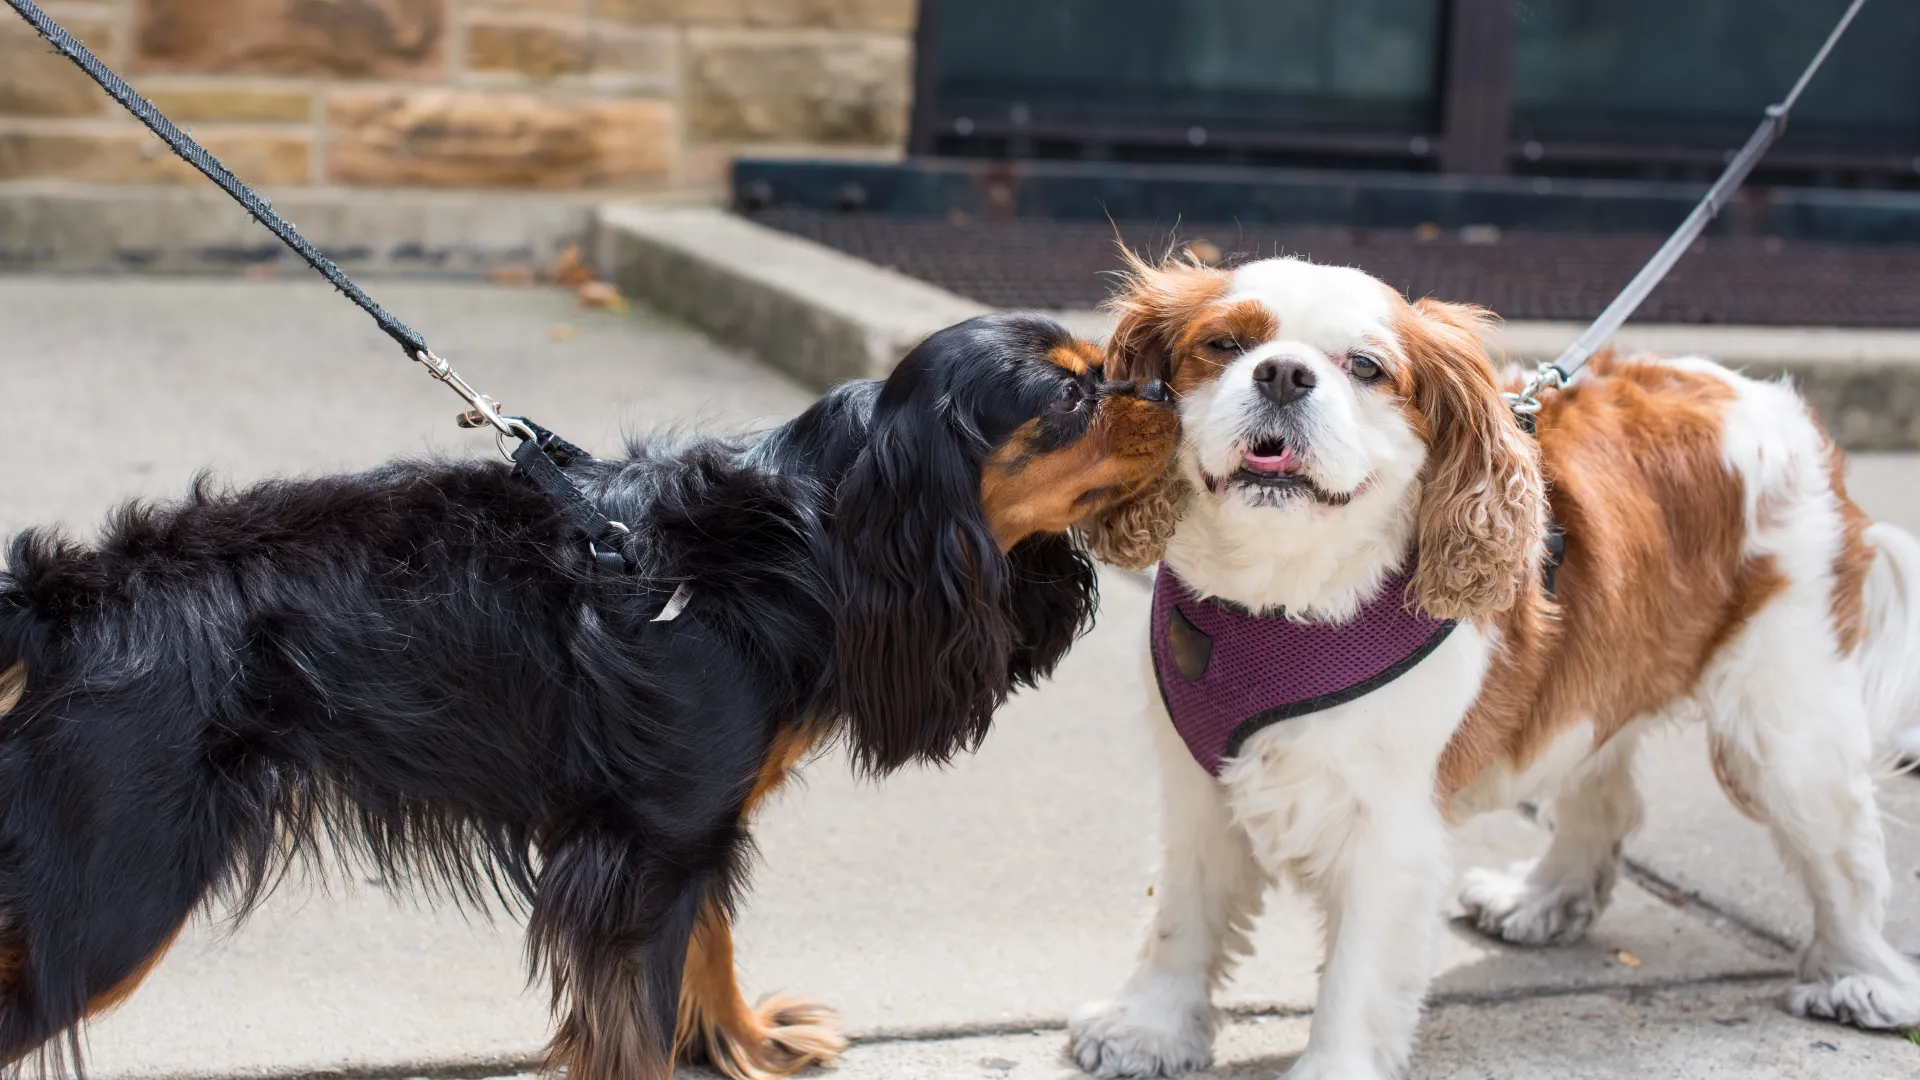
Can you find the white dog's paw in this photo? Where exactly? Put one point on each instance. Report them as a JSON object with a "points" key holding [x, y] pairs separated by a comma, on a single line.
{"points": [[1137, 1036], [1506, 905], [1868, 1001]]}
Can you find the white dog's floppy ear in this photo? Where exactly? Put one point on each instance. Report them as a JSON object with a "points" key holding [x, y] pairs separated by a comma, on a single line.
{"points": [[1482, 501]]}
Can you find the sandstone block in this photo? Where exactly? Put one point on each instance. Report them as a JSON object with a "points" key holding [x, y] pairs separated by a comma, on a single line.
{"points": [[133, 156], [36, 81], [192, 103], [896, 15], [732, 12], [559, 7], [545, 51], [403, 39], [458, 138], [825, 87]]}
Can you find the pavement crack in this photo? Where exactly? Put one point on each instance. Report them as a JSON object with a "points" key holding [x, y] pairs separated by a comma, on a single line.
{"points": [[1761, 939], [1054, 1025]]}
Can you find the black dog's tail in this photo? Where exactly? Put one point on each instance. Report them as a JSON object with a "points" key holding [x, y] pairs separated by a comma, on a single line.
{"points": [[95, 881]]}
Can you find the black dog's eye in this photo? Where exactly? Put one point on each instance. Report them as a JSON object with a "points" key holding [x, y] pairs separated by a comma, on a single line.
{"points": [[1070, 398], [1364, 367]]}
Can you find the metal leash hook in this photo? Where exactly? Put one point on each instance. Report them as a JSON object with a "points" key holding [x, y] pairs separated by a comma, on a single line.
{"points": [[484, 409], [1527, 402]]}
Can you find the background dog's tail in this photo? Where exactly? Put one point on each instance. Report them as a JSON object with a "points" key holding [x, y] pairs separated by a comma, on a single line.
{"points": [[1891, 652]]}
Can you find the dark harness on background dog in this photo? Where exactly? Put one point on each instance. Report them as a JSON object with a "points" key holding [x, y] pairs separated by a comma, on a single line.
{"points": [[541, 455]]}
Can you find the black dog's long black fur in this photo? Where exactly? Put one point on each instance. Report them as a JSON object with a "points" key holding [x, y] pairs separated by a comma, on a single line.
{"points": [[419, 665]]}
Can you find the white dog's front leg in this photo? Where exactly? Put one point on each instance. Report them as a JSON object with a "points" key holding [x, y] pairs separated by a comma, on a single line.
{"points": [[1382, 892], [1209, 888]]}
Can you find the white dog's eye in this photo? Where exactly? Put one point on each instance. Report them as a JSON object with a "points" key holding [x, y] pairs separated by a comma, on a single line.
{"points": [[1224, 344], [1364, 367]]}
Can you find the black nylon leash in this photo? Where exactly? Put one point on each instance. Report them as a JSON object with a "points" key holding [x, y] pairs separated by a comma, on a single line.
{"points": [[541, 455]]}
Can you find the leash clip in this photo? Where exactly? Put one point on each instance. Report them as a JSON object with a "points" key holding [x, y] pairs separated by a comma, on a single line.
{"points": [[1526, 403], [484, 409]]}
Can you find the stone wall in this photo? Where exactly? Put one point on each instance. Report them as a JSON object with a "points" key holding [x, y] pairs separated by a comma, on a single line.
{"points": [[625, 94]]}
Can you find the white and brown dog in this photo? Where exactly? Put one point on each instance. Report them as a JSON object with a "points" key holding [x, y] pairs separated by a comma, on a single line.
{"points": [[1348, 458]]}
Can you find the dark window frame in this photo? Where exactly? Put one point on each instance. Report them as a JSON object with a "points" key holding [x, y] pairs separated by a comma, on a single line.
{"points": [[1479, 44]]}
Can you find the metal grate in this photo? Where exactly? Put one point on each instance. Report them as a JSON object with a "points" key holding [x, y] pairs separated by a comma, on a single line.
{"points": [[1520, 275]]}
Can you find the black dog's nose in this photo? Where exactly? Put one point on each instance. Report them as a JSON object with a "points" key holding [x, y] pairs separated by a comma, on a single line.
{"points": [[1154, 390], [1283, 382]]}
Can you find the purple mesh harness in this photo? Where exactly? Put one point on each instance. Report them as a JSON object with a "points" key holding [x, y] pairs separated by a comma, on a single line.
{"points": [[1225, 674]]}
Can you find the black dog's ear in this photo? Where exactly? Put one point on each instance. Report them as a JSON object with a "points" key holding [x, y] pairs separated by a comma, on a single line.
{"points": [[1054, 594], [923, 640]]}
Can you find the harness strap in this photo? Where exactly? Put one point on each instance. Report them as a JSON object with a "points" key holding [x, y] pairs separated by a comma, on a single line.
{"points": [[539, 461]]}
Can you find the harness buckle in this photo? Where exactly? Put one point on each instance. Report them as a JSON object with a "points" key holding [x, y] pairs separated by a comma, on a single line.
{"points": [[607, 558]]}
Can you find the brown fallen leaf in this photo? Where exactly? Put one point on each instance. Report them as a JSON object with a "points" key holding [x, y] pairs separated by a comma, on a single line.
{"points": [[600, 294], [511, 275], [1426, 232], [1627, 959], [560, 331], [262, 271], [1206, 251], [569, 268]]}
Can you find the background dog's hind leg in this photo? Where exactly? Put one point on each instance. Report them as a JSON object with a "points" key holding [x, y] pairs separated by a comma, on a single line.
{"points": [[1554, 899], [1792, 744], [779, 1036]]}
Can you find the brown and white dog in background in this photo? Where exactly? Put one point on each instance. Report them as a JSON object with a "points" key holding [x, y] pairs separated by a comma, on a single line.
{"points": [[1715, 572]]}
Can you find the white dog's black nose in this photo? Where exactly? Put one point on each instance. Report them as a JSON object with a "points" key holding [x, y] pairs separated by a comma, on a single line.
{"points": [[1283, 382]]}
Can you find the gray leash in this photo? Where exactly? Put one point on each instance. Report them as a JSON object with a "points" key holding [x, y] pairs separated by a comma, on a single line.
{"points": [[1527, 402]]}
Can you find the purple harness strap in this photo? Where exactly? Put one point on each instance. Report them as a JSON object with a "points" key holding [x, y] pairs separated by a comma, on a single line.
{"points": [[1225, 674]]}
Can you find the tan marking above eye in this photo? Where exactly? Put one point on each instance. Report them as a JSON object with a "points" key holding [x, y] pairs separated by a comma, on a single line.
{"points": [[1077, 357]]}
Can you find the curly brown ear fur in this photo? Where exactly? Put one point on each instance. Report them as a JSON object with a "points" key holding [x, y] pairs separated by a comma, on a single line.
{"points": [[1134, 534], [1483, 502], [1155, 304]]}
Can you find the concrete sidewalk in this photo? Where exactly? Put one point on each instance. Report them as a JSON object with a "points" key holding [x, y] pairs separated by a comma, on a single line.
{"points": [[954, 917]]}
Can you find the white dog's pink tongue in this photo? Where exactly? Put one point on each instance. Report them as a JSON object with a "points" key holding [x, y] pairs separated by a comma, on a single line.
{"points": [[1273, 464]]}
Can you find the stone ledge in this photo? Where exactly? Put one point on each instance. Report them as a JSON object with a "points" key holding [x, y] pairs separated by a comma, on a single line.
{"points": [[71, 228], [818, 314]]}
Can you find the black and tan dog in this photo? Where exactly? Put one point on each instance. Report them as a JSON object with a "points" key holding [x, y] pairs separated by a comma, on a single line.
{"points": [[420, 666]]}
